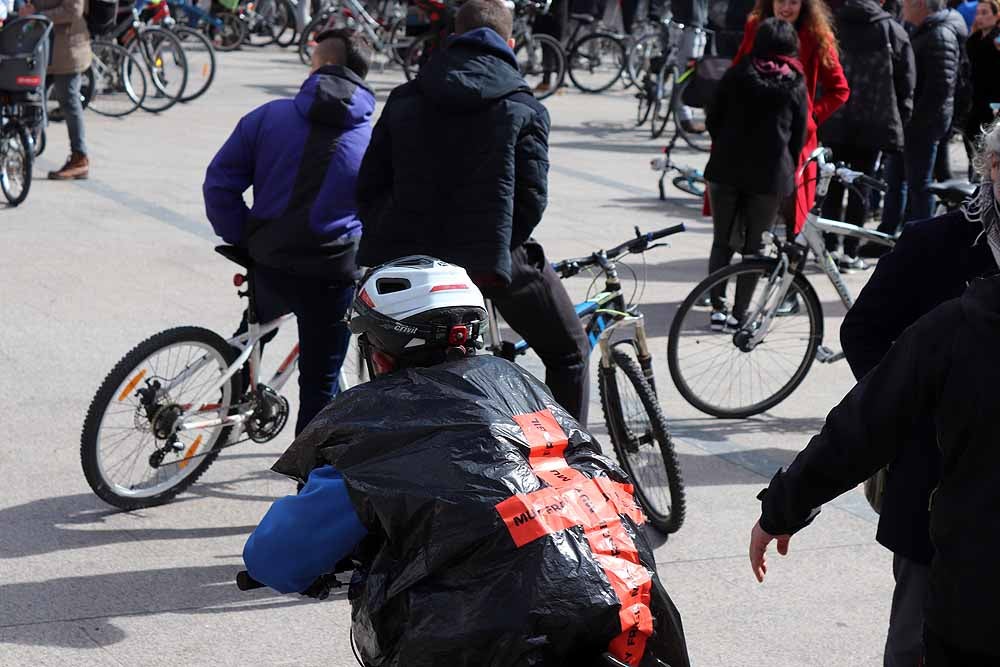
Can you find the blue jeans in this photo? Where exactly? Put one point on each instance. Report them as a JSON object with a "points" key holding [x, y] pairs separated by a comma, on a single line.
{"points": [[908, 175], [66, 91], [319, 308]]}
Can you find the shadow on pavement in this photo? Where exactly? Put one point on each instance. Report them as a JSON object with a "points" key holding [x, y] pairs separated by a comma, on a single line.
{"points": [[62, 523], [77, 612]]}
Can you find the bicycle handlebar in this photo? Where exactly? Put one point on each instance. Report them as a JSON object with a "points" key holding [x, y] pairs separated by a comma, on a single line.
{"points": [[570, 267], [824, 156]]}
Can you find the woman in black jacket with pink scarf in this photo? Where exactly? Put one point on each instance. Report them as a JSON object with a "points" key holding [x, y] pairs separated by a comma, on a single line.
{"points": [[757, 121]]}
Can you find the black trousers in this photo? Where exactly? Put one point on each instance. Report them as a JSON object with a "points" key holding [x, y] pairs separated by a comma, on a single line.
{"points": [[939, 653], [738, 220], [538, 308], [319, 308], [859, 158]]}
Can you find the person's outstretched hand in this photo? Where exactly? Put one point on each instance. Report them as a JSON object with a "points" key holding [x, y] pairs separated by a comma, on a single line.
{"points": [[759, 539]]}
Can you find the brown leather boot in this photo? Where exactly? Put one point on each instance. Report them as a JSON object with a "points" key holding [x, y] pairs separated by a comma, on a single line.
{"points": [[76, 167]]}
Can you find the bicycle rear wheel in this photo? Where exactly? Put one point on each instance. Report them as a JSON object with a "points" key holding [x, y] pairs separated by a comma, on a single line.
{"points": [[307, 40], [119, 81], [700, 141], [716, 369], [640, 56], [289, 35], [231, 35], [596, 62], [641, 441], [162, 53], [130, 454], [542, 62], [200, 56], [17, 158]]}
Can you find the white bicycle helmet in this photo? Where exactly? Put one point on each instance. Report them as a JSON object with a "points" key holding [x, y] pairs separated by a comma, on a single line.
{"points": [[419, 308]]}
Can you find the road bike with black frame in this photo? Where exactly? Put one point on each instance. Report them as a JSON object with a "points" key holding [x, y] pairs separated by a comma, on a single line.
{"points": [[175, 401], [636, 425], [774, 329]]}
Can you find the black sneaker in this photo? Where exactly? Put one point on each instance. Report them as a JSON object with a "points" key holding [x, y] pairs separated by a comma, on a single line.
{"points": [[873, 251]]}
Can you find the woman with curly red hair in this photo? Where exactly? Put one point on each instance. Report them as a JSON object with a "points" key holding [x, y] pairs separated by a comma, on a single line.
{"points": [[822, 71]]}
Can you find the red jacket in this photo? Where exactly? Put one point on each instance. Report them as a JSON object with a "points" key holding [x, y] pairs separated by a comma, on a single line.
{"points": [[835, 94]]}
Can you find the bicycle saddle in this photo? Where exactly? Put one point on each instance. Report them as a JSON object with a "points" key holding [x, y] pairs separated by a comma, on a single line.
{"points": [[235, 254], [955, 189]]}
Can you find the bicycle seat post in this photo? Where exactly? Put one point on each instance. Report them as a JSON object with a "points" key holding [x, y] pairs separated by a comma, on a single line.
{"points": [[493, 327]]}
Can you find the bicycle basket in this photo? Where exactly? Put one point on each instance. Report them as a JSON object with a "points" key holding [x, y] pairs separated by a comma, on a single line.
{"points": [[707, 74], [102, 16], [24, 53]]}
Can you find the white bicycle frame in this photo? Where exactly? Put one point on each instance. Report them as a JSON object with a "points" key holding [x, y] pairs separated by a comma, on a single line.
{"points": [[249, 344], [811, 238]]}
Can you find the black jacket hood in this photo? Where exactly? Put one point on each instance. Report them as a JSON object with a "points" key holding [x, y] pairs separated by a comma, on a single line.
{"points": [[474, 70], [862, 11], [334, 95]]}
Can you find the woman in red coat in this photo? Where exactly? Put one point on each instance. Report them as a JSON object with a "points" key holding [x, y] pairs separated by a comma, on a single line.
{"points": [[821, 66]]}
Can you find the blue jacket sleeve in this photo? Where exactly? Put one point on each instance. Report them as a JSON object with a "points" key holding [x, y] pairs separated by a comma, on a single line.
{"points": [[227, 178], [304, 536]]}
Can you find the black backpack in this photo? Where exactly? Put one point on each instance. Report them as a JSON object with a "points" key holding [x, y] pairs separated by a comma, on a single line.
{"points": [[101, 16]]}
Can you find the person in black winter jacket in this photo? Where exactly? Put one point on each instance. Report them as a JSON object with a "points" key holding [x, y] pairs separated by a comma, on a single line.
{"points": [[457, 168], [933, 262], [984, 60], [937, 49], [878, 62], [758, 113], [946, 367]]}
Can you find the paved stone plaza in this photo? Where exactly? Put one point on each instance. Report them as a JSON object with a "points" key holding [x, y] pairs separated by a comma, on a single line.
{"points": [[91, 268]]}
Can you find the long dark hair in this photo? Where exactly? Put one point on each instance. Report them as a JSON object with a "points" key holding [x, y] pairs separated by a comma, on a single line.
{"points": [[814, 18]]}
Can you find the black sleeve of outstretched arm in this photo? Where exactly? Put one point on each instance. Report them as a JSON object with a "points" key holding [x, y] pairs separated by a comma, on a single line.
{"points": [[531, 177], [864, 432]]}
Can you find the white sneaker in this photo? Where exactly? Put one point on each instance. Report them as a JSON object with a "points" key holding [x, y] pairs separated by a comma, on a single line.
{"points": [[721, 320]]}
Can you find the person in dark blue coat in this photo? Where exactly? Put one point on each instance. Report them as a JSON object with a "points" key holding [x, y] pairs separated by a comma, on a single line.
{"points": [[301, 157], [933, 262]]}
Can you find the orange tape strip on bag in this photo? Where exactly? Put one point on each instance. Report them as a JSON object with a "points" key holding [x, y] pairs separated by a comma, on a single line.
{"points": [[573, 499]]}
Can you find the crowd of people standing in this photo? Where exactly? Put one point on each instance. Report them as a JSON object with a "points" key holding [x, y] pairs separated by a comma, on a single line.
{"points": [[884, 85]]}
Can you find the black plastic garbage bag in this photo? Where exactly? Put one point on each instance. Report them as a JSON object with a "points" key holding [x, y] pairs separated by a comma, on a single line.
{"points": [[504, 538]]}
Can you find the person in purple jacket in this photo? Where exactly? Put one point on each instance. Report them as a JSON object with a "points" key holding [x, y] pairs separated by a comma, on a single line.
{"points": [[301, 157]]}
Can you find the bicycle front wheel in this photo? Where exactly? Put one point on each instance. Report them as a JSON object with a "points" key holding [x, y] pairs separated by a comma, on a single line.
{"points": [[119, 82], [641, 441], [166, 64], [596, 62], [17, 158], [230, 34], [662, 108], [542, 62], [131, 455], [200, 56], [698, 140], [717, 367]]}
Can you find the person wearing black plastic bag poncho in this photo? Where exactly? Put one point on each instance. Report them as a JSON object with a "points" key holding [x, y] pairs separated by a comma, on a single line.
{"points": [[495, 534]]}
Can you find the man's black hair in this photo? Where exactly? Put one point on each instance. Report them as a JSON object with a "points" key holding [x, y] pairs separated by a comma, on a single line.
{"points": [[492, 14], [775, 38], [357, 52]]}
